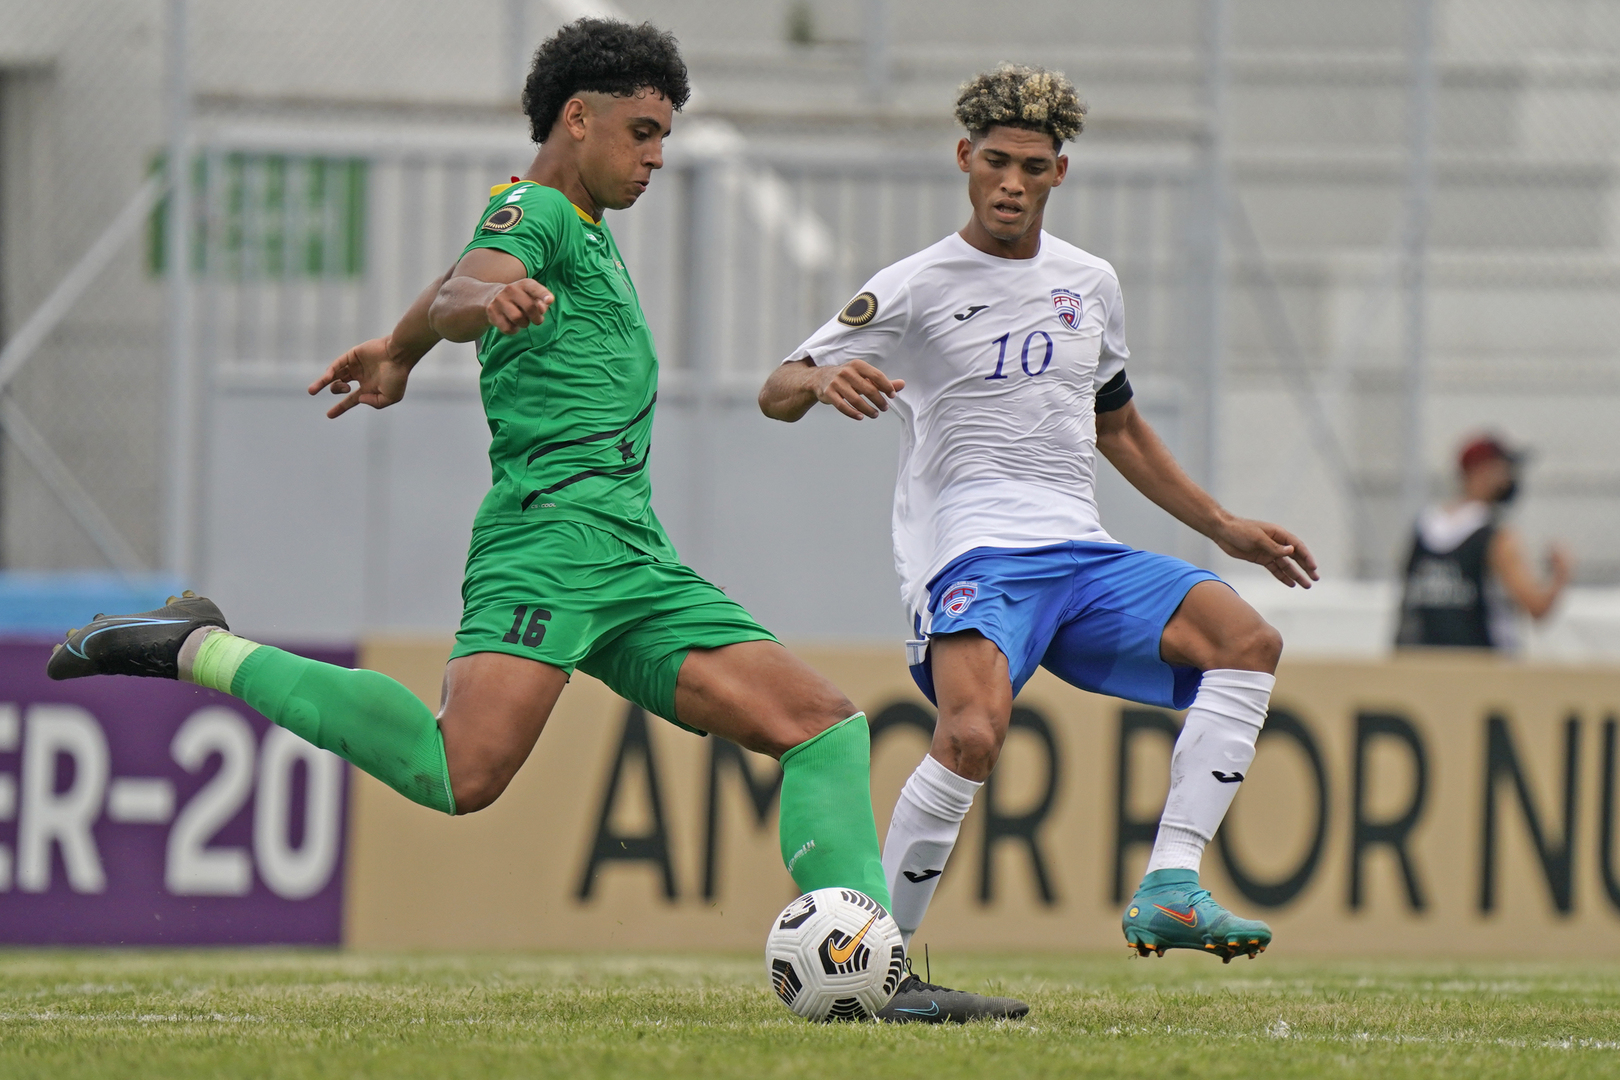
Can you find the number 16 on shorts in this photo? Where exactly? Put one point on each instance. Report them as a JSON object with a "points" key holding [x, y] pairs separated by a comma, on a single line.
{"points": [[531, 634]]}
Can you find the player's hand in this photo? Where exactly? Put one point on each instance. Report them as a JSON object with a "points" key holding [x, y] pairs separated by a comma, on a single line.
{"points": [[856, 389], [1272, 547], [1560, 562], [521, 303], [371, 373]]}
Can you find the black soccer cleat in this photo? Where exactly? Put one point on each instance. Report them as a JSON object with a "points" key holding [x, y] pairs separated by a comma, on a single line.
{"points": [[146, 644], [918, 1002]]}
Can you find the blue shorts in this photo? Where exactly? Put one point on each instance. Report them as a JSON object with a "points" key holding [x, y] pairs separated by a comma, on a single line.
{"points": [[1091, 614]]}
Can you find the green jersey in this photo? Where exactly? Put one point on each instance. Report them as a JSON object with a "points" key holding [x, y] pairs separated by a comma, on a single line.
{"points": [[569, 402]]}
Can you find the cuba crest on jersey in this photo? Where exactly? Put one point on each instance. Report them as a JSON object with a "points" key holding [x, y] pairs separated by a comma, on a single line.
{"points": [[1068, 306]]}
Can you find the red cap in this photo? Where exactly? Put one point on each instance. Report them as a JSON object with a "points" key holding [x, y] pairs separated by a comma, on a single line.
{"points": [[1485, 448]]}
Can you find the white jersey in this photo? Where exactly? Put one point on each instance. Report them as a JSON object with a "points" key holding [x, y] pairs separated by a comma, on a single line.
{"points": [[1002, 360]]}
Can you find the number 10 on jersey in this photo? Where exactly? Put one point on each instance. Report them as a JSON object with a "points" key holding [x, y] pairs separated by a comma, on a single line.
{"points": [[1023, 355]]}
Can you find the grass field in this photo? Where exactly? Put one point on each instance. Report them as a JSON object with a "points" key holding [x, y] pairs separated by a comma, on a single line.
{"points": [[296, 1014]]}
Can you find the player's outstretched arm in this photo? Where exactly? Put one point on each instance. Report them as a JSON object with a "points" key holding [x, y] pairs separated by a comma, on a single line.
{"points": [[488, 288], [1512, 569], [1135, 449], [856, 389], [381, 367]]}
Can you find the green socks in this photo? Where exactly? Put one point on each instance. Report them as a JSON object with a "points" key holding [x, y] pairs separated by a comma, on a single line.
{"points": [[828, 834], [363, 717]]}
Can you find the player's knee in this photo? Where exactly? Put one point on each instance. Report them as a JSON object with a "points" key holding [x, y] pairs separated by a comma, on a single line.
{"points": [[786, 725], [476, 788], [968, 745], [976, 752], [1257, 647], [825, 709]]}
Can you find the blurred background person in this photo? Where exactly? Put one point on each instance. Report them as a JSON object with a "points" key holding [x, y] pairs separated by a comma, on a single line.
{"points": [[1467, 577]]}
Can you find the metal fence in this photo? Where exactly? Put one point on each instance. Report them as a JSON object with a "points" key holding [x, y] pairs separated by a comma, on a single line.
{"points": [[305, 243], [1345, 239]]}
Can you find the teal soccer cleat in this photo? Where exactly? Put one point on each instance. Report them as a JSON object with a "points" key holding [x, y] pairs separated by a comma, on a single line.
{"points": [[1171, 911]]}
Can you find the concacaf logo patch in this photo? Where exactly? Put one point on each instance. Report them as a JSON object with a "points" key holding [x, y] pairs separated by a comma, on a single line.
{"points": [[958, 597], [1068, 306], [505, 219], [859, 311]]}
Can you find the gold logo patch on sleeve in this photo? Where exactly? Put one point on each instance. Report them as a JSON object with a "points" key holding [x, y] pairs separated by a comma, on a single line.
{"points": [[504, 219], [859, 311]]}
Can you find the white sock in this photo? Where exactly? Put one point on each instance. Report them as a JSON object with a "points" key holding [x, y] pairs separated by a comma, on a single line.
{"points": [[1216, 741], [927, 817]]}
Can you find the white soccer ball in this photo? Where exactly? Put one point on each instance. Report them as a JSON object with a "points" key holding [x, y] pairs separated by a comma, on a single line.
{"points": [[835, 954]]}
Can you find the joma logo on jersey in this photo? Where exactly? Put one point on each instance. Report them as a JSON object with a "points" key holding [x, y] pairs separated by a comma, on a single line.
{"points": [[1068, 306], [958, 597]]}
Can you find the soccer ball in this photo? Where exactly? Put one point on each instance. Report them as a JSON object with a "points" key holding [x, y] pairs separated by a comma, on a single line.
{"points": [[835, 954]]}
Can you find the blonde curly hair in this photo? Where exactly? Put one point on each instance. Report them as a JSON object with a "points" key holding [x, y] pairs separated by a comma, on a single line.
{"points": [[1016, 95]]}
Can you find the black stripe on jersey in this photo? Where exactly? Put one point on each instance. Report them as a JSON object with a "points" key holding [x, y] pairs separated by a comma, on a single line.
{"points": [[628, 470], [1114, 394], [598, 437]]}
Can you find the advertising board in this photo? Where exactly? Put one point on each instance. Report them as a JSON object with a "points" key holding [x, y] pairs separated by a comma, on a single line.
{"points": [[1437, 805], [140, 811]]}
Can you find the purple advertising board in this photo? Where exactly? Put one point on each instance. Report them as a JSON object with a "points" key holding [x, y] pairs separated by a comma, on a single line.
{"points": [[142, 811]]}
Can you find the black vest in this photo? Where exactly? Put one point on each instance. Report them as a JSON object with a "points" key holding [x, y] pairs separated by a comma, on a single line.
{"points": [[1444, 599]]}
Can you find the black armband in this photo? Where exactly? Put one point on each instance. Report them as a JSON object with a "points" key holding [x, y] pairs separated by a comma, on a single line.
{"points": [[1114, 394]]}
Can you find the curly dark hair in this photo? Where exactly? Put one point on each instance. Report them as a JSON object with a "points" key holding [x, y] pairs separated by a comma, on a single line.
{"points": [[605, 56], [1014, 95]]}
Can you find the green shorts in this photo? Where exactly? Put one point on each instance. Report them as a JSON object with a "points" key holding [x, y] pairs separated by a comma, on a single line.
{"points": [[572, 596]]}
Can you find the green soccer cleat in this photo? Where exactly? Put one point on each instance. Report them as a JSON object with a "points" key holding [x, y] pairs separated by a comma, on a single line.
{"points": [[147, 644], [1171, 911]]}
